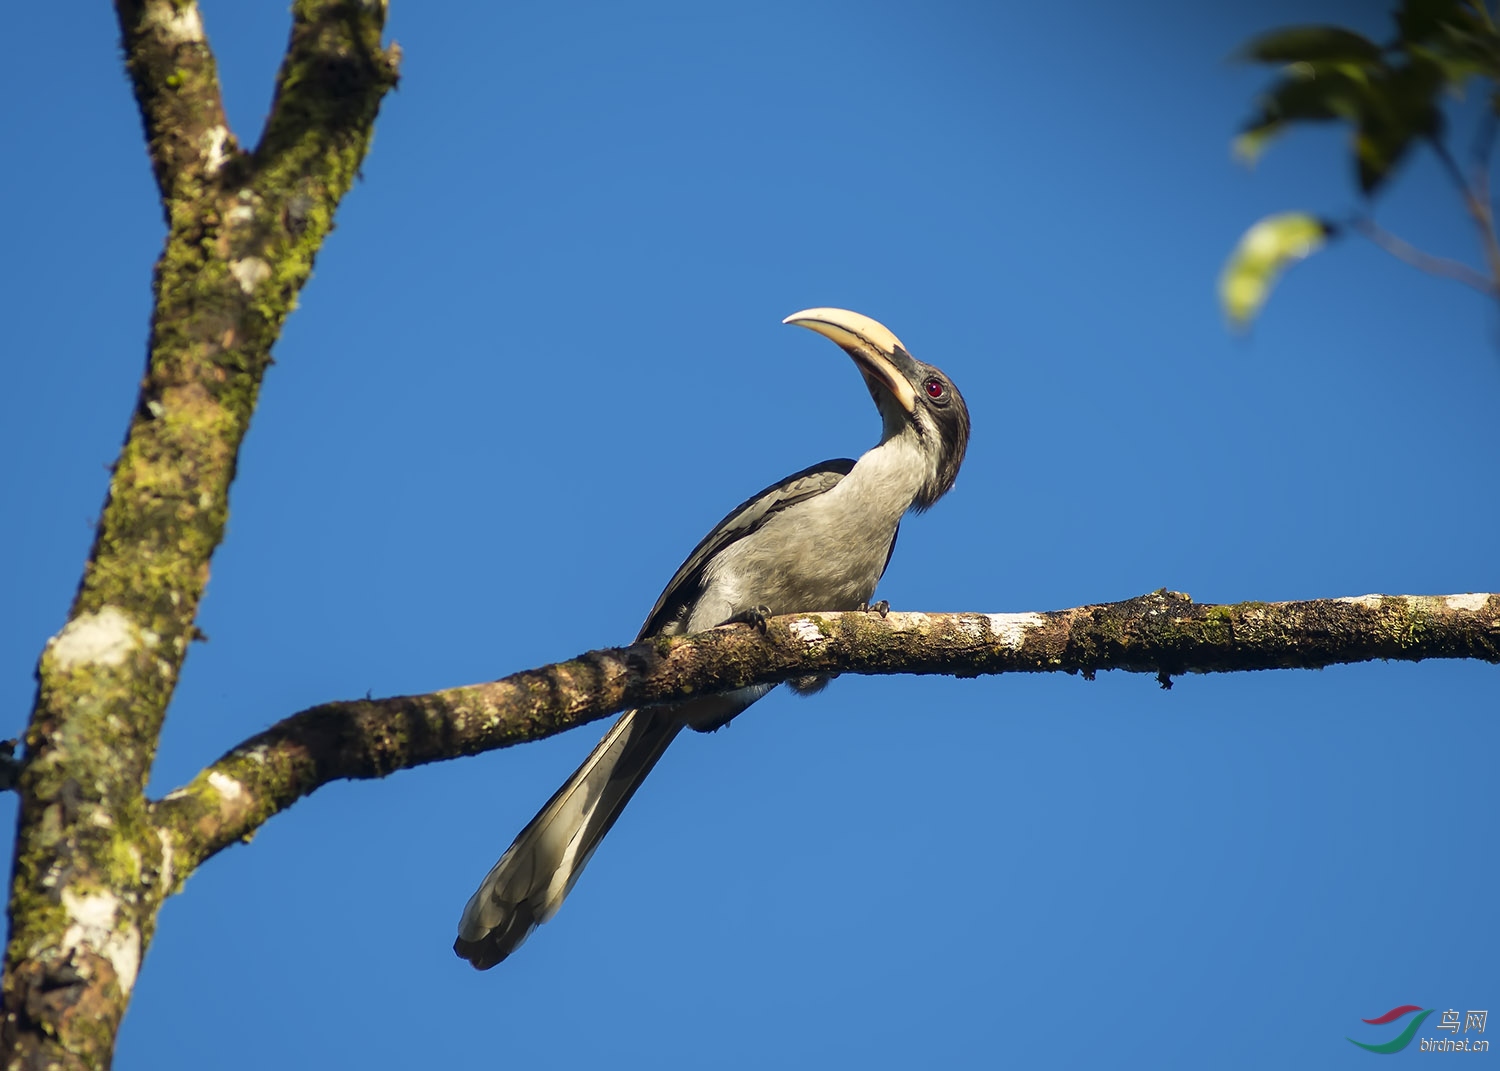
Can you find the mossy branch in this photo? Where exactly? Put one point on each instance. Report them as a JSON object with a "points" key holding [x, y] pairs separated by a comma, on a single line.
{"points": [[176, 85], [1164, 633], [90, 871]]}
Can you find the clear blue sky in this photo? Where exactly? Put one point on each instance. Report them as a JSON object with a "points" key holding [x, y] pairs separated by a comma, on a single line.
{"points": [[541, 355]]}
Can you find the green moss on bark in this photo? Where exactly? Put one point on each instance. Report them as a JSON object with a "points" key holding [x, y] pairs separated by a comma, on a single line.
{"points": [[241, 238]]}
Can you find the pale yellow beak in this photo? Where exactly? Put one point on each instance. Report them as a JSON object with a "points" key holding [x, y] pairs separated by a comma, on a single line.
{"points": [[868, 341]]}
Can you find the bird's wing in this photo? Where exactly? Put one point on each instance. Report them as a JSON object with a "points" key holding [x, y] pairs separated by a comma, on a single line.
{"points": [[683, 589], [891, 551]]}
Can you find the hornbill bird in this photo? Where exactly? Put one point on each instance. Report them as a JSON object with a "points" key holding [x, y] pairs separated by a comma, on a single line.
{"points": [[818, 540]]}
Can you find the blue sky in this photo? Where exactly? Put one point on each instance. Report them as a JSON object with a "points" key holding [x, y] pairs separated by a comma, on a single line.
{"points": [[541, 355]]}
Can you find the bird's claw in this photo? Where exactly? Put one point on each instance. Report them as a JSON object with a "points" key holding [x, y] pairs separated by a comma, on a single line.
{"points": [[882, 607], [755, 617]]}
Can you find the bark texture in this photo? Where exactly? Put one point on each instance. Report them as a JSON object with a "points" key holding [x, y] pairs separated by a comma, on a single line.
{"points": [[1164, 633], [94, 859], [90, 869]]}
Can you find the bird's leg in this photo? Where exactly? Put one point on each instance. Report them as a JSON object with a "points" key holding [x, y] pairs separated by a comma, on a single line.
{"points": [[882, 607], [755, 616]]}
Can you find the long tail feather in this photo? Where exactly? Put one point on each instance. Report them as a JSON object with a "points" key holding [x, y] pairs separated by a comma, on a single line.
{"points": [[529, 883]]}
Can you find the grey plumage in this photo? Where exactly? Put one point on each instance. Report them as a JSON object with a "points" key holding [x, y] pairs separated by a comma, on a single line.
{"points": [[818, 540], [682, 591]]}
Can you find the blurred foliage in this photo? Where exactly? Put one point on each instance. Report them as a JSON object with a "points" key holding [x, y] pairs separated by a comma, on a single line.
{"points": [[1266, 250], [1390, 96]]}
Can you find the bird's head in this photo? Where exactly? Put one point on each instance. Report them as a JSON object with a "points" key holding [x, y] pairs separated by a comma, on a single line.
{"points": [[913, 398]]}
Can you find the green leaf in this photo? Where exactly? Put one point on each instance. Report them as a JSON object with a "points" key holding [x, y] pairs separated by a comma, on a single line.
{"points": [[1420, 20], [1252, 141], [1461, 55], [1313, 93], [1457, 68], [1400, 109], [1454, 35], [1296, 44], [1377, 150], [1309, 93], [1266, 250]]}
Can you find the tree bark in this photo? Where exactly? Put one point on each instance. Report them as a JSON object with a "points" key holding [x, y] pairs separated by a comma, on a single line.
{"points": [[1164, 633], [90, 869]]}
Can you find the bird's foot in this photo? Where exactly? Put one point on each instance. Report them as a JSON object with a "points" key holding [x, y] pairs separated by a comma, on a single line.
{"points": [[882, 607], [810, 684], [755, 616]]}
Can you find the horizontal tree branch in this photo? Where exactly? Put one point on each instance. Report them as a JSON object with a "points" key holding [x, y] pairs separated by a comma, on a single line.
{"points": [[1164, 633]]}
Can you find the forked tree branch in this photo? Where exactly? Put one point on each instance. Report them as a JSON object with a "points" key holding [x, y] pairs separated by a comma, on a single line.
{"points": [[90, 871], [1442, 267], [1164, 633]]}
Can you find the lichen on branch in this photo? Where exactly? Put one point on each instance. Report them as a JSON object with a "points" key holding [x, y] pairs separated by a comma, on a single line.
{"points": [[1164, 633], [89, 871]]}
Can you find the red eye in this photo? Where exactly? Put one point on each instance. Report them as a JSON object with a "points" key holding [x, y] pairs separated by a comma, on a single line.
{"points": [[934, 389]]}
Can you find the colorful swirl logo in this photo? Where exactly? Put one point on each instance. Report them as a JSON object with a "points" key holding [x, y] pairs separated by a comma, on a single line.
{"points": [[1401, 1040]]}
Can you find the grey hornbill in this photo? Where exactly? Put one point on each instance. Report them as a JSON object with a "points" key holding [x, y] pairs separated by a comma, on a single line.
{"points": [[818, 540]]}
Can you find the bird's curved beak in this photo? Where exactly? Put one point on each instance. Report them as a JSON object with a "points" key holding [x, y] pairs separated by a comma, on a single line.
{"points": [[878, 353]]}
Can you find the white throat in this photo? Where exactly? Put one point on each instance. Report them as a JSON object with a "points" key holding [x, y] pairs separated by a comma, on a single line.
{"points": [[887, 478]]}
